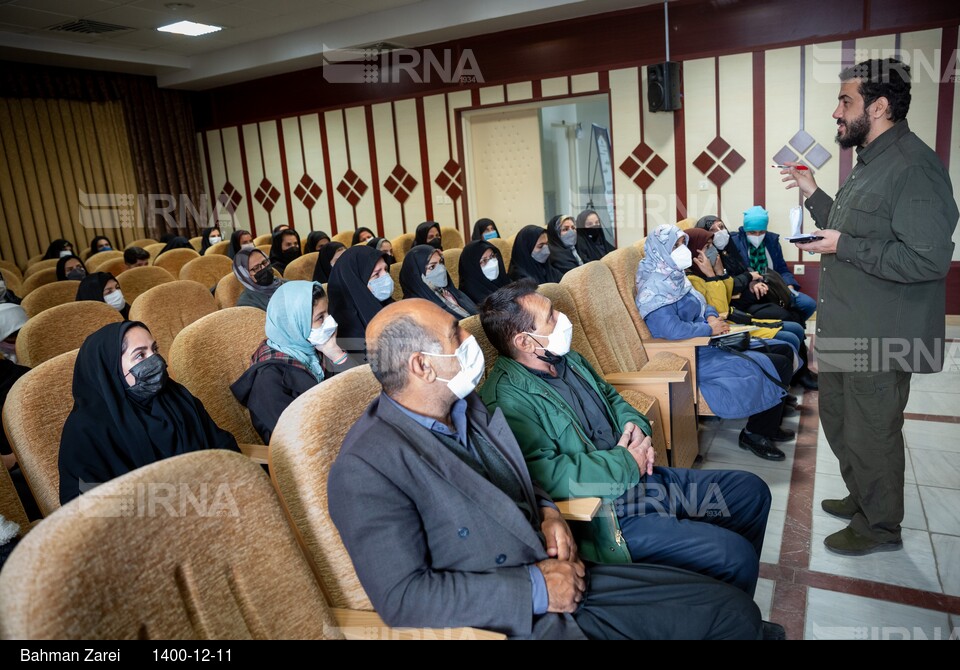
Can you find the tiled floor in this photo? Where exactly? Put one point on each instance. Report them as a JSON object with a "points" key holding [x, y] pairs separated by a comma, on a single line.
{"points": [[912, 593]]}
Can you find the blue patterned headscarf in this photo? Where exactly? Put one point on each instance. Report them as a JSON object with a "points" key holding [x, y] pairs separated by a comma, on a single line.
{"points": [[289, 321], [659, 281]]}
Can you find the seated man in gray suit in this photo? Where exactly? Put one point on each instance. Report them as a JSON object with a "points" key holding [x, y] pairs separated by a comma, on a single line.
{"points": [[436, 508]]}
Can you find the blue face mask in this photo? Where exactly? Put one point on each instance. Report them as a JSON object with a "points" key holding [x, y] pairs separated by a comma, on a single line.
{"points": [[381, 287], [437, 276], [491, 235]]}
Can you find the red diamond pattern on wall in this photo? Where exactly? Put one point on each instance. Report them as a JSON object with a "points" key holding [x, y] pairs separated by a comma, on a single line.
{"points": [[267, 195], [351, 187], [229, 197], [400, 183], [718, 155], [643, 166], [450, 179], [308, 191]]}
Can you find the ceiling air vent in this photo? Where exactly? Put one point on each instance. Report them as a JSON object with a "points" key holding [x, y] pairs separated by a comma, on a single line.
{"points": [[88, 27]]}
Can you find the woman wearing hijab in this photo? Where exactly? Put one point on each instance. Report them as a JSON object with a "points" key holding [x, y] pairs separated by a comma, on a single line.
{"points": [[733, 263], [58, 249], [531, 256], [360, 286], [127, 412], [176, 243], [98, 244], [385, 247], [734, 387], [428, 232], [71, 267], [6, 295], [254, 271], [240, 239], [423, 275], [484, 229], [12, 319], [592, 244], [362, 236], [316, 241], [326, 259], [210, 237], [285, 249], [481, 270], [562, 237], [301, 342], [104, 287]]}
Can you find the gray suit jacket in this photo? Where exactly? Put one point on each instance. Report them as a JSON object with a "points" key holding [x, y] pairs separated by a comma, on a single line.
{"points": [[433, 543]]}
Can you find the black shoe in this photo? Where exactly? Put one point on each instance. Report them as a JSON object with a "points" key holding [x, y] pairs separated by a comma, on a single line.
{"points": [[791, 410], [760, 446], [848, 542], [773, 631], [844, 508], [791, 401], [809, 380], [783, 435]]}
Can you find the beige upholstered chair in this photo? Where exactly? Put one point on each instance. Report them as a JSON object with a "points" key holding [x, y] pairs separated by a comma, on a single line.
{"points": [[196, 242], [50, 295], [302, 268], [222, 568], [143, 242], [260, 240], [451, 258], [114, 266], [452, 239], [154, 250], [218, 249], [395, 273], [33, 417], [48, 264], [13, 281], [173, 260], [506, 250], [234, 334], [97, 261], [137, 281], [169, 308], [9, 267], [345, 238], [228, 291], [34, 259], [61, 328], [402, 244], [11, 508], [207, 270], [37, 279], [265, 248], [640, 246]]}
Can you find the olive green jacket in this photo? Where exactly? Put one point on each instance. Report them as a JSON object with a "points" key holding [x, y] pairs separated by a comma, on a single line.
{"points": [[560, 456], [882, 296]]}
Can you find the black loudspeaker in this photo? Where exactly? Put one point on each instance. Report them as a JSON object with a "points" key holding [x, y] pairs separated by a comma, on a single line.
{"points": [[663, 87]]}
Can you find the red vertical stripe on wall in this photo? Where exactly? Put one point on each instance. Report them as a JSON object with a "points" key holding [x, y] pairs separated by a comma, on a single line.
{"points": [[248, 195], [475, 96], [463, 177], [286, 176], [846, 155], [211, 193], [604, 78], [716, 89], [759, 129], [374, 170], [680, 146], [424, 162], [324, 144], [396, 154], [537, 90], [263, 171], [948, 45], [643, 193]]}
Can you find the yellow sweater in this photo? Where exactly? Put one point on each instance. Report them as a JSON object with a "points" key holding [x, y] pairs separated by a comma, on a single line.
{"points": [[718, 295]]}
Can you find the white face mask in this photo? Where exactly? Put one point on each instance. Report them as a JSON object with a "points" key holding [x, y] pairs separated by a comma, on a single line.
{"points": [[381, 287], [248, 245], [213, 239], [491, 269], [470, 356], [115, 300], [756, 240], [320, 336], [720, 239], [682, 257], [65, 253], [558, 342]]}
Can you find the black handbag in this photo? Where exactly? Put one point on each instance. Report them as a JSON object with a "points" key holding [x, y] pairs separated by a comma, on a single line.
{"points": [[736, 344]]}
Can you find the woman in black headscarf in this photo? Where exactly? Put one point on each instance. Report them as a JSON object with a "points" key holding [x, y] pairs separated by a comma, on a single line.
{"points": [[423, 275], [254, 271], [592, 244], [360, 286], [100, 243], [6, 295], [562, 237], [210, 237], [362, 236], [326, 259], [385, 247], [238, 240], [285, 249], [481, 270], [428, 232], [58, 249], [103, 287], [127, 413], [71, 267], [484, 229], [316, 241], [177, 243], [531, 256]]}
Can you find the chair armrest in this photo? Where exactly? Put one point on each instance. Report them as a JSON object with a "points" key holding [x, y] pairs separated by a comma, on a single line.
{"points": [[659, 343], [258, 453], [578, 509], [641, 377], [360, 625]]}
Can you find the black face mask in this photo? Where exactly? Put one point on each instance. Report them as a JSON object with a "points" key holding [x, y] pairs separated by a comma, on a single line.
{"points": [[291, 254], [389, 259], [77, 274], [149, 376], [264, 277], [436, 244]]}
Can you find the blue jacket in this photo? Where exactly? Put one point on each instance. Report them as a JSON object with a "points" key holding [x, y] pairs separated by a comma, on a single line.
{"points": [[772, 242]]}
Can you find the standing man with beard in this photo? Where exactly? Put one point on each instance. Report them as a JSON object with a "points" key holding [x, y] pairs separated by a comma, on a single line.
{"points": [[886, 245]]}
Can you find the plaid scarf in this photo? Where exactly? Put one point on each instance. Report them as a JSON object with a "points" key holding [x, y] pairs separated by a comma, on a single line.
{"points": [[266, 353], [758, 258]]}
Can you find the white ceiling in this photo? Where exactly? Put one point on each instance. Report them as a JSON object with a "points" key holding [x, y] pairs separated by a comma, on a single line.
{"points": [[259, 37]]}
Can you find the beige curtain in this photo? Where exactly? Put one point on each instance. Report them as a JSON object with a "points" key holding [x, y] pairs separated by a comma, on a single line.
{"points": [[52, 152]]}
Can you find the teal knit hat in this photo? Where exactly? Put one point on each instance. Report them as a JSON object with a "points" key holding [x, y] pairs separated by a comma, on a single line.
{"points": [[755, 218]]}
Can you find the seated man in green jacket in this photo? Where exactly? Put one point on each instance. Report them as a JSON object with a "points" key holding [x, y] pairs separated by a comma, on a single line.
{"points": [[580, 438]]}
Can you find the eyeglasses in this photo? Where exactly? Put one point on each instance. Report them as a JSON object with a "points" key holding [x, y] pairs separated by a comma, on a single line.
{"points": [[262, 266]]}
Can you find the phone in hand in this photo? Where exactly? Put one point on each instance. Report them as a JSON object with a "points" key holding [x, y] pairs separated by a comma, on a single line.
{"points": [[803, 239]]}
